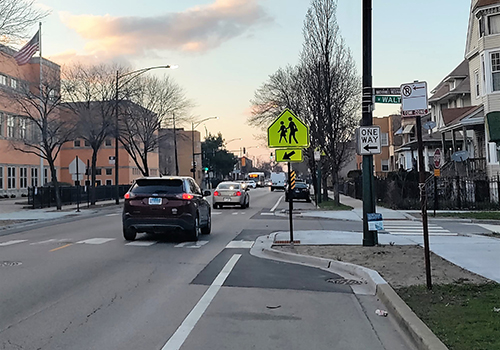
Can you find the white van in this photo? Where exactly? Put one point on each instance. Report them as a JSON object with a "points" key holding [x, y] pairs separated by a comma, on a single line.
{"points": [[278, 181]]}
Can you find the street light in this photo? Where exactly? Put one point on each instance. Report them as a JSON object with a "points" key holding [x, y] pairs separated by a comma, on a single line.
{"points": [[236, 139], [133, 74], [194, 126]]}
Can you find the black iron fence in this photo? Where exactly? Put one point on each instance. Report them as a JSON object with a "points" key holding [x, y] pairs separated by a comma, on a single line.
{"points": [[43, 197], [399, 190]]}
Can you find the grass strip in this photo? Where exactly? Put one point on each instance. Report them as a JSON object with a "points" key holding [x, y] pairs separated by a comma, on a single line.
{"points": [[463, 316], [331, 205]]}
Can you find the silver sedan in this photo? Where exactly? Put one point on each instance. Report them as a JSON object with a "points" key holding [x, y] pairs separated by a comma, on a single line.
{"points": [[230, 193]]}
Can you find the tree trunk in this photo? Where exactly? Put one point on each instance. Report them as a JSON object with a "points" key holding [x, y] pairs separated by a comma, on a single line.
{"points": [[93, 177], [336, 193], [325, 189], [55, 183], [145, 163]]}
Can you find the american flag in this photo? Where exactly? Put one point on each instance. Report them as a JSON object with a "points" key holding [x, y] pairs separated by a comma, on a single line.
{"points": [[27, 51]]}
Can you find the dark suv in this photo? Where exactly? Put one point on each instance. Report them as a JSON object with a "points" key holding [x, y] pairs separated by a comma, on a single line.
{"points": [[163, 204]]}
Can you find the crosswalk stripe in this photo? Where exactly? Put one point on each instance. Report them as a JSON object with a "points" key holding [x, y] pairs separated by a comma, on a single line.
{"points": [[141, 243], [240, 244], [191, 245], [96, 240], [3, 244]]}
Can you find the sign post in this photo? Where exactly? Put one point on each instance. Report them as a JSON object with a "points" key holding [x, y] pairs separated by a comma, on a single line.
{"points": [[415, 103], [437, 173], [290, 135]]}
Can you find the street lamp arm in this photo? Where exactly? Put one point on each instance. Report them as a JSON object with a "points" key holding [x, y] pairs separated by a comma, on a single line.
{"points": [[134, 74], [195, 125]]}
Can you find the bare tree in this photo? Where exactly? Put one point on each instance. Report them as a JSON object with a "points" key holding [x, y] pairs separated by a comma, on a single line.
{"points": [[153, 103], [89, 92], [332, 85], [16, 16], [43, 126]]}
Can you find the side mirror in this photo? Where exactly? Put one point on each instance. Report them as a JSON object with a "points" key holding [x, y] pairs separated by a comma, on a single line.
{"points": [[206, 193]]}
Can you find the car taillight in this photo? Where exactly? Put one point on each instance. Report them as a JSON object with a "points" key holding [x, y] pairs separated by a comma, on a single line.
{"points": [[237, 193], [187, 196], [129, 195], [216, 193]]}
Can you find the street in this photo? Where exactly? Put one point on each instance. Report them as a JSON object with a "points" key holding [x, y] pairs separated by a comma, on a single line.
{"points": [[79, 285]]}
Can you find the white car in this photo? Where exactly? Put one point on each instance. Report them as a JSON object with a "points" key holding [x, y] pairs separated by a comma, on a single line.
{"points": [[251, 184]]}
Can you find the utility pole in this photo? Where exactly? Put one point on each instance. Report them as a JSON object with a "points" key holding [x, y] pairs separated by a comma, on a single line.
{"points": [[369, 237]]}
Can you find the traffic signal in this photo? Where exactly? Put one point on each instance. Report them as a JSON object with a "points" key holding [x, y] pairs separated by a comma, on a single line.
{"points": [[244, 150], [205, 169]]}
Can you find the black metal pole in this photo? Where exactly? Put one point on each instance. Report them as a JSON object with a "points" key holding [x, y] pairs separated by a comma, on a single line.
{"points": [[369, 237], [290, 201], [193, 169], [117, 189], [175, 150], [435, 194], [423, 202], [77, 186], [88, 184]]}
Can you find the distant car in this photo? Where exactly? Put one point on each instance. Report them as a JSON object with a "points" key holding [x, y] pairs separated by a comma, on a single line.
{"points": [[301, 191], [230, 193], [162, 204], [251, 184], [268, 183]]}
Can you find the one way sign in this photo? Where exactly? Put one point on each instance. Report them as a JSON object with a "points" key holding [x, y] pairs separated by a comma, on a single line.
{"points": [[368, 140]]}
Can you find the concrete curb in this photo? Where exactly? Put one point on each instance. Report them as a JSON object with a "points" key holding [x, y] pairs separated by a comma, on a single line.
{"points": [[417, 330]]}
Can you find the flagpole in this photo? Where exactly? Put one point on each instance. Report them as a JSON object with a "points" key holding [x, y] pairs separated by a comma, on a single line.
{"points": [[41, 97]]}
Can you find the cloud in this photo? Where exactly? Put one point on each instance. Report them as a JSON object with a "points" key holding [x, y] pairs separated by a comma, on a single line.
{"points": [[198, 29]]}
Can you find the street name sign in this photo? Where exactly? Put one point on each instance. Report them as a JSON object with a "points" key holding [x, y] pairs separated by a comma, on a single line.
{"points": [[392, 91], [368, 140], [414, 100], [288, 131], [289, 155], [387, 99]]}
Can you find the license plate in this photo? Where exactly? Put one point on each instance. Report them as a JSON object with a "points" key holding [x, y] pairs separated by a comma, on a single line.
{"points": [[227, 199], [154, 201]]}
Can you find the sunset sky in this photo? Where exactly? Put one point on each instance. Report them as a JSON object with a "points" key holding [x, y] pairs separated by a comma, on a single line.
{"points": [[226, 49]]}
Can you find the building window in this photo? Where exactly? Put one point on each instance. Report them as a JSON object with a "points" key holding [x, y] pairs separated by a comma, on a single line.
{"points": [[22, 128], [11, 126], [109, 171], [384, 139], [495, 70], [476, 82], [98, 171], [23, 177], [3, 79], [76, 143], [13, 83], [87, 144], [494, 24], [107, 142], [1, 176], [97, 183], [385, 165], [109, 182], [1, 124], [481, 27], [34, 177], [11, 177], [45, 175]]}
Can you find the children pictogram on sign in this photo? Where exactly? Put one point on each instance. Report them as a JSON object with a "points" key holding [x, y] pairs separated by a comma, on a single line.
{"points": [[284, 130]]}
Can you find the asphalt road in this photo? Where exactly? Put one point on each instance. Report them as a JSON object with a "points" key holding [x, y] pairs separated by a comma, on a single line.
{"points": [[79, 285]]}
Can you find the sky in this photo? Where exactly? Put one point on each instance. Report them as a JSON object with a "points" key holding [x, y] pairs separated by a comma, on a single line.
{"points": [[226, 49]]}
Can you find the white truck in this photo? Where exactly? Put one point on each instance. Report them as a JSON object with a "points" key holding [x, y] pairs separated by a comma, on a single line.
{"points": [[278, 181]]}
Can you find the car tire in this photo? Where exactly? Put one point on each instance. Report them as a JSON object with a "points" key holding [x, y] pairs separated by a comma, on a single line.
{"points": [[272, 189], [194, 233], [216, 206], [208, 228], [129, 234]]}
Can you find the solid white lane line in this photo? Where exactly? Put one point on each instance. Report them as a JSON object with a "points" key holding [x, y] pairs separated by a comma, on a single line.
{"points": [[277, 203], [267, 214], [12, 242], [179, 337], [112, 214]]}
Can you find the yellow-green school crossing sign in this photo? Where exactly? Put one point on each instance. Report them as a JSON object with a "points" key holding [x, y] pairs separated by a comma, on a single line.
{"points": [[288, 131]]}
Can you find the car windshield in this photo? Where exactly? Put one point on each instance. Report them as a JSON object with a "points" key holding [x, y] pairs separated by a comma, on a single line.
{"points": [[300, 185], [229, 186], [158, 186]]}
